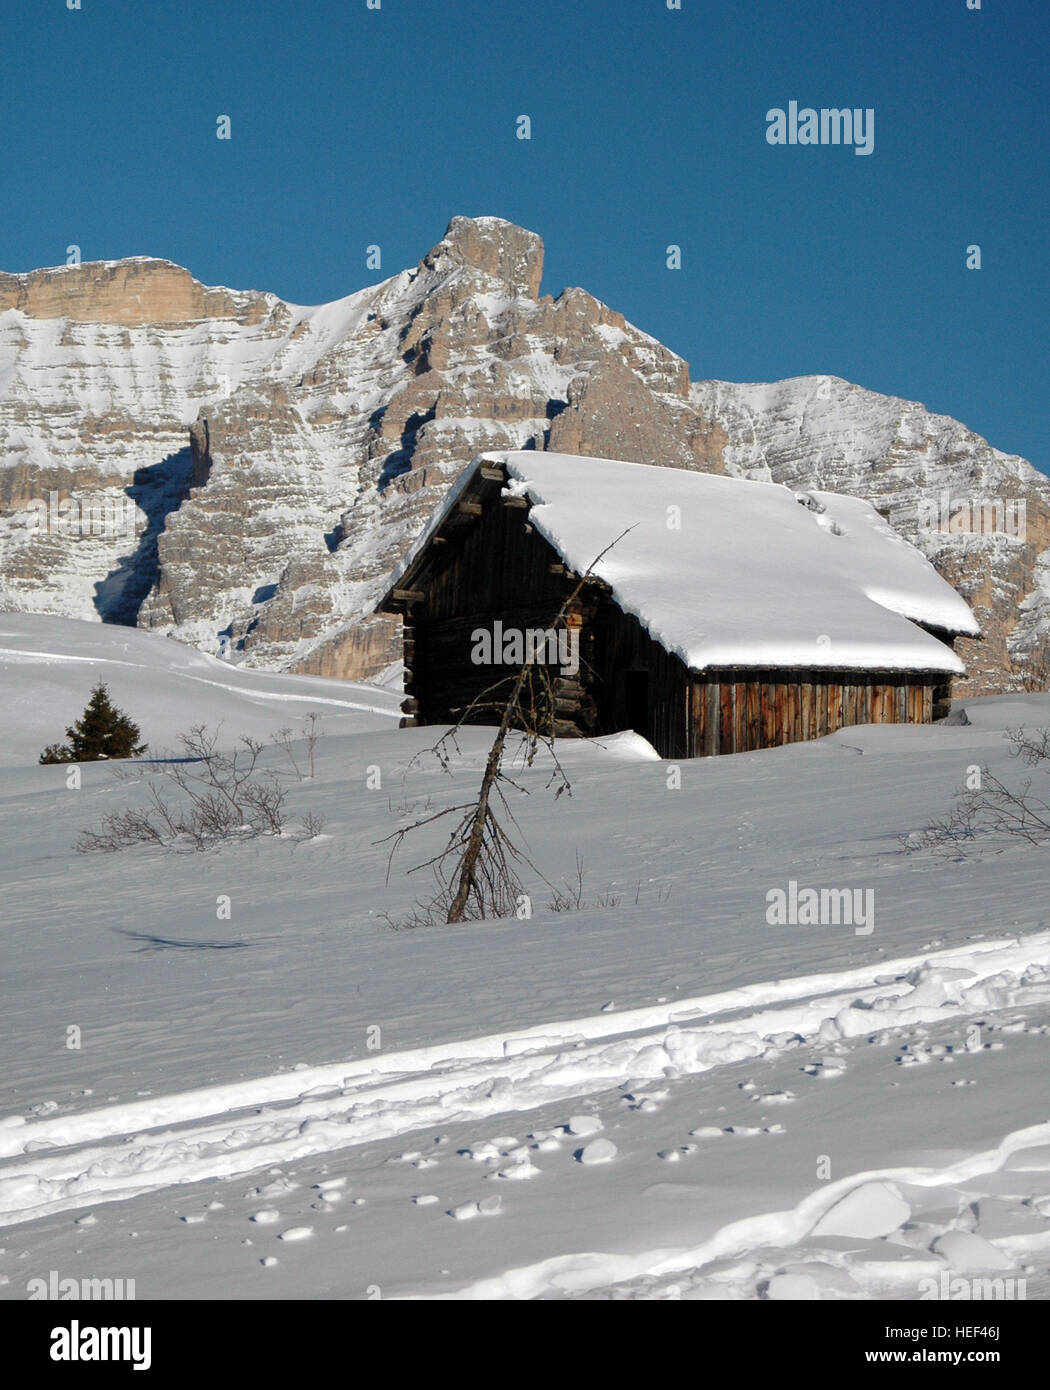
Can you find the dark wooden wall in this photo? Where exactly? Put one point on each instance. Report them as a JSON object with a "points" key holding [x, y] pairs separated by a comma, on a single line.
{"points": [[492, 566], [621, 647]]}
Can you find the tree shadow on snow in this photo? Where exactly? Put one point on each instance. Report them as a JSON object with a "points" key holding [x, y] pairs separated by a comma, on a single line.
{"points": [[170, 943]]}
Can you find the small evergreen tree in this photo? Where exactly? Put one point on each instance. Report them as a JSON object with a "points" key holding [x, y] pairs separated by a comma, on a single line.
{"points": [[102, 731]]}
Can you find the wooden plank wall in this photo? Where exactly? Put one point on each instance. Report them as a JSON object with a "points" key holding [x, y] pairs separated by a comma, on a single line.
{"points": [[734, 712], [621, 645], [492, 567]]}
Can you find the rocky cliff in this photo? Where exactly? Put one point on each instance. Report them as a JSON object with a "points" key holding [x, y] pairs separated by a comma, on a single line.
{"points": [[269, 463]]}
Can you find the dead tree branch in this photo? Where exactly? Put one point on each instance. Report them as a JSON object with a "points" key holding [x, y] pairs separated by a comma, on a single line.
{"points": [[478, 871]]}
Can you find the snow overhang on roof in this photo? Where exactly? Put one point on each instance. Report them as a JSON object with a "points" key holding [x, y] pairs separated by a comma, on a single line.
{"points": [[730, 573]]}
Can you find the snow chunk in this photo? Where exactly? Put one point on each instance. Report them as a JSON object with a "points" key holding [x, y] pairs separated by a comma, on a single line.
{"points": [[488, 1206], [600, 1151], [964, 1250], [584, 1125], [871, 1210]]}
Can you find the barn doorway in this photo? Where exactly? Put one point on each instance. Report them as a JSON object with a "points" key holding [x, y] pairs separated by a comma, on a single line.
{"points": [[636, 701]]}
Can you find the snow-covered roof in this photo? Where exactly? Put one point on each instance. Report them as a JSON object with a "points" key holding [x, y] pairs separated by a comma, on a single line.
{"points": [[726, 572]]}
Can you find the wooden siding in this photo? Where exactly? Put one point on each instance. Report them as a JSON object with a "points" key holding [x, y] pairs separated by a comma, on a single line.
{"points": [[734, 712]]}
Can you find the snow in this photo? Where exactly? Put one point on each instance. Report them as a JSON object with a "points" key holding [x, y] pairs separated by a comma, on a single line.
{"points": [[600, 1151], [725, 572], [232, 1106], [584, 1124], [58, 660], [873, 1209], [964, 1250]]}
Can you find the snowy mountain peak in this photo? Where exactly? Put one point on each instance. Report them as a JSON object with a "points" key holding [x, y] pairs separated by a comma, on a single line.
{"points": [[498, 249]]}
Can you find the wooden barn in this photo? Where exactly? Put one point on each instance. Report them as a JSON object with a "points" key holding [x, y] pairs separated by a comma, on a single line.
{"points": [[729, 615]]}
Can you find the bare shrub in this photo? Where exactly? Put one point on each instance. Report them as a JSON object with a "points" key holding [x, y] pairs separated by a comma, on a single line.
{"points": [[993, 809], [312, 825], [309, 734], [569, 898], [216, 795]]}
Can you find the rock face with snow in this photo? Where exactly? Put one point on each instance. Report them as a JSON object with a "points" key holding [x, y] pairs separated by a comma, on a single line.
{"points": [[270, 464]]}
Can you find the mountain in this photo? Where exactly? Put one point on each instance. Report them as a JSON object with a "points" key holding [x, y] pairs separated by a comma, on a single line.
{"points": [[280, 459]]}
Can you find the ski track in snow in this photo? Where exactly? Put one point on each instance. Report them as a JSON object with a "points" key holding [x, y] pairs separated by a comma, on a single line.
{"points": [[244, 690], [121, 1151], [307, 699]]}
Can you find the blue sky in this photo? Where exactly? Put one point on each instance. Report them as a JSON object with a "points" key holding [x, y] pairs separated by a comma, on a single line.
{"points": [[353, 126]]}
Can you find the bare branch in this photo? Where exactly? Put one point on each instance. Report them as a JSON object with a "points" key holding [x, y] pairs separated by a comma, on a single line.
{"points": [[477, 874]]}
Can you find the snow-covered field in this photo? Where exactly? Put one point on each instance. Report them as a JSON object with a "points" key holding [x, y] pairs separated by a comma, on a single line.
{"points": [[659, 1095]]}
